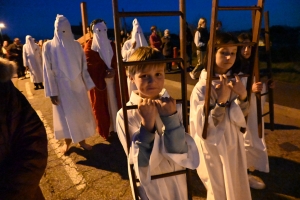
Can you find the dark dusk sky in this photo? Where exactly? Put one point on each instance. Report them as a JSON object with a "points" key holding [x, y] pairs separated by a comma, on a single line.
{"points": [[36, 17]]}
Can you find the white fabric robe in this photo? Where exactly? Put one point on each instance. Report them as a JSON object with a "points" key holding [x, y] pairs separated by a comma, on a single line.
{"points": [[222, 168], [256, 149], [173, 187], [66, 76], [32, 57]]}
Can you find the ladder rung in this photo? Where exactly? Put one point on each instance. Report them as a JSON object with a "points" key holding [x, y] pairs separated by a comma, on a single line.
{"points": [[150, 13], [178, 101], [265, 114], [263, 94], [166, 175], [239, 8], [237, 44], [230, 77], [165, 60]]}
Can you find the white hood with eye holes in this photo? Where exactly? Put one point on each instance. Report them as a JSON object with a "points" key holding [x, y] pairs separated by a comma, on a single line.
{"points": [[138, 35], [63, 48], [101, 43]]}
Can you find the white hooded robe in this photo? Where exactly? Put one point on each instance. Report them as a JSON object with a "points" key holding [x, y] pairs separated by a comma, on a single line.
{"points": [[32, 57], [66, 76], [137, 36]]}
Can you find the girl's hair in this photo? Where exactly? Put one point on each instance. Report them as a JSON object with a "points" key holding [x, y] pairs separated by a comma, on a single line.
{"points": [[143, 54], [243, 62], [244, 36], [224, 38], [200, 22]]}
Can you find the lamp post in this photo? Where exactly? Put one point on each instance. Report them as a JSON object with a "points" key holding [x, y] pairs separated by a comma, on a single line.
{"points": [[1, 26]]}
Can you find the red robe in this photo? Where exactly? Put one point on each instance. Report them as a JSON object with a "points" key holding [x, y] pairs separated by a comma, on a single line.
{"points": [[97, 69]]}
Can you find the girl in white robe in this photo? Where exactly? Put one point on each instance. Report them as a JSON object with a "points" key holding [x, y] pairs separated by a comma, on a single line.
{"points": [[66, 83], [222, 168], [159, 143], [256, 149], [32, 58]]}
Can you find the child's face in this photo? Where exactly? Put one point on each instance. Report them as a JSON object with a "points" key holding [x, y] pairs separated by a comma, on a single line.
{"points": [[246, 50], [225, 58], [149, 81]]}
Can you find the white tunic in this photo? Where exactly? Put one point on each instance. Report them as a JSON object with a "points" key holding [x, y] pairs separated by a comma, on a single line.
{"points": [[32, 57], [222, 168], [73, 117], [256, 149], [160, 162]]}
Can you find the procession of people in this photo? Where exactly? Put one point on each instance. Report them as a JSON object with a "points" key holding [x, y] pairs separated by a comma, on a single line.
{"points": [[83, 87]]}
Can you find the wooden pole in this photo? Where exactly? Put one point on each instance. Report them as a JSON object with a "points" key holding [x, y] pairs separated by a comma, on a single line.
{"points": [[84, 19]]}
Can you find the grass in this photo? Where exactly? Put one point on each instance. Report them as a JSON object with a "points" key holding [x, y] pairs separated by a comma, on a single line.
{"points": [[285, 71]]}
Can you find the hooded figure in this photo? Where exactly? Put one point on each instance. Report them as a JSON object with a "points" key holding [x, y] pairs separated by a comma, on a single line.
{"points": [[66, 83], [102, 66], [32, 59], [137, 40]]}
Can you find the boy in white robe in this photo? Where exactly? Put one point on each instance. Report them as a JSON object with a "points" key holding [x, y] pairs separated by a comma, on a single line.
{"points": [[66, 83], [32, 59], [222, 168], [159, 143]]}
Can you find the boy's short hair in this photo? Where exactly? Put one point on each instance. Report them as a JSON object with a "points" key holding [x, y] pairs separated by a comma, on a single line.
{"points": [[143, 54], [153, 28]]}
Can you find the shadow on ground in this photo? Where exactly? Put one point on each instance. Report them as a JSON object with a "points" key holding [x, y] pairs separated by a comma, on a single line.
{"points": [[281, 183], [105, 156], [281, 127]]}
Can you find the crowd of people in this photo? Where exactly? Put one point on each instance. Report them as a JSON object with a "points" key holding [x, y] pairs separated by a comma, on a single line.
{"points": [[87, 79]]}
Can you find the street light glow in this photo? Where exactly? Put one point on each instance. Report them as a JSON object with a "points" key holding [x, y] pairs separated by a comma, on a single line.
{"points": [[2, 25]]}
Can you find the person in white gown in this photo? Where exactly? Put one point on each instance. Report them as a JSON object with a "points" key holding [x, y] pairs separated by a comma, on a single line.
{"points": [[159, 143], [223, 168], [66, 83], [137, 40], [256, 149], [32, 59]]}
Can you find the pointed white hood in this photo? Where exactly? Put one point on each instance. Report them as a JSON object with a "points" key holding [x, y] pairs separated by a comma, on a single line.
{"points": [[138, 35], [30, 45], [63, 46], [101, 43]]}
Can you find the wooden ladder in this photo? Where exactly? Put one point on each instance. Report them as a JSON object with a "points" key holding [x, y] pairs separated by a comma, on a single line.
{"points": [[269, 71], [122, 76], [258, 10]]}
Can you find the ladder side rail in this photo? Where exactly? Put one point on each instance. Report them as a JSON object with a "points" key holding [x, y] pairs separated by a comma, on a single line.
{"points": [[182, 35], [150, 13], [210, 63], [123, 84], [256, 34], [269, 66]]}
